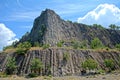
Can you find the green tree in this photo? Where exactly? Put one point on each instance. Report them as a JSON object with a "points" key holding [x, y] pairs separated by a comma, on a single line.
{"points": [[81, 45], [22, 48], [109, 63], [98, 26], [65, 56], [36, 65], [96, 43], [114, 27], [117, 46], [11, 66], [60, 44], [45, 46], [75, 44], [37, 44], [89, 64]]}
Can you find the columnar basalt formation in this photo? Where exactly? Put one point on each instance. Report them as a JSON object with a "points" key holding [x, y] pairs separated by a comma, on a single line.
{"points": [[54, 62], [49, 28]]}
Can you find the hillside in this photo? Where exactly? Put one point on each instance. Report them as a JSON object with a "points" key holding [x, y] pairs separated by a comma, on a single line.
{"points": [[49, 28], [64, 58], [54, 62]]}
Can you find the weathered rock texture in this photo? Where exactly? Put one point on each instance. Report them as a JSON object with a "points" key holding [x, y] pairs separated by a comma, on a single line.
{"points": [[49, 28], [54, 62]]}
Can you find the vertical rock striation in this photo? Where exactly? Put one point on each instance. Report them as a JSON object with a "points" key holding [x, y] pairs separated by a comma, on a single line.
{"points": [[54, 62], [49, 28]]}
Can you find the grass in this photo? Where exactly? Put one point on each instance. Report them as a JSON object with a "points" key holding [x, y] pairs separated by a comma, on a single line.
{"points": [[98, 77], [12, 50], [112, 76]]}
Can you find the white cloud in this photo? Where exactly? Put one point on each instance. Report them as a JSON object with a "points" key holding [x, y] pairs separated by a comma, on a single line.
{"points": [[6, 36], [104, 14]]}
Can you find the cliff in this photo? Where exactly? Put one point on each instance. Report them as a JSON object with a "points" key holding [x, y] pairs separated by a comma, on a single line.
{"points": [[49, 28], [54, 62]]}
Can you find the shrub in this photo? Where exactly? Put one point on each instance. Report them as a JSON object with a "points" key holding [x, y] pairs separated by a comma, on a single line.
{"points": [[60, 44], [100, 71], [22, 48], [117, 46], [89, 64], [31, 75], [114, 27], [81, 45], [98, 26], [45, 46], [109, 63], [37, 44], [96, 43], [75, 45], [65, 56], [11, 66], [36, 65]]}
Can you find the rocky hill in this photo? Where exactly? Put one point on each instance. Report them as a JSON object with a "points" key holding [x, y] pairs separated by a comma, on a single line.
{"points": [[49, 28]]}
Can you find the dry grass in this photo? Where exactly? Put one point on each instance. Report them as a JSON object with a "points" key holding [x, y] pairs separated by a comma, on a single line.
{"points": [[12, 50], [36, 48], [115, 76]]}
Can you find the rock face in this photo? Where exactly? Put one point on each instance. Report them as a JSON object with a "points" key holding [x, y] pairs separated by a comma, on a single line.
{"points": [[49, 28], [54, 62]]}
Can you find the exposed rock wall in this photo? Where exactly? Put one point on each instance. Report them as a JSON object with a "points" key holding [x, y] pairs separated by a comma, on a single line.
{"points": [[54, 63], [58, 29]]}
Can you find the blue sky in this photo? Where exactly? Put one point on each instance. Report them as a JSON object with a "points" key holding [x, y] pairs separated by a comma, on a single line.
{"points": [[18, 15]]}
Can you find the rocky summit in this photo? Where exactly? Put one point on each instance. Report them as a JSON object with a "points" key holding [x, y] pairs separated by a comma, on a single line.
{"points": [[49, 28]]}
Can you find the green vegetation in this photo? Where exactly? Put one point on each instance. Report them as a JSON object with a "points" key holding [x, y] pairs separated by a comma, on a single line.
{"points": [[66, 56], [37, 44], [22, 48], [98, 26], [60, 44], [45, 46], [42, 30], [36, 66], [32, 75], [11, 66], [96, 43], [75, 45], [109, 63], [81, 45], [69, 21], [8, 47], [89, 64], [114, 27], [117, 46], [101, 71]]}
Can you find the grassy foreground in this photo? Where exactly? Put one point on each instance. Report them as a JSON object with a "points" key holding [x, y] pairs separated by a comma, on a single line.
{"points": [[111, 76]]}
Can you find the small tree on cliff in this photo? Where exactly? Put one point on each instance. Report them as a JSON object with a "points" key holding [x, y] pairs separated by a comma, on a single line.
{"points": [[11, 66], [22, 48], [96, 43], [36, 65], [89, 64], [117, 46], [109, 63]]}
